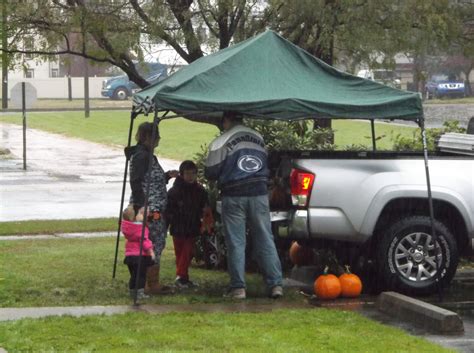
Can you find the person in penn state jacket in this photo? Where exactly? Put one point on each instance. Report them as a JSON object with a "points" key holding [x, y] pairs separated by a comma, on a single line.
{"points": [[237, 160]]}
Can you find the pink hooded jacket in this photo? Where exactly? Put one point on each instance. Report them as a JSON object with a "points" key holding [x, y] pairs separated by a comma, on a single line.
{"points": [[133, 233]]}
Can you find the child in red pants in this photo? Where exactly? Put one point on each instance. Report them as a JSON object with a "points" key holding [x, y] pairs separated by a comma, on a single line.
{"points": [[187, 200]]}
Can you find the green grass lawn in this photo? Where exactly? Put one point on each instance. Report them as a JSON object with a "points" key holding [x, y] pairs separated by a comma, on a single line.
{"points": [[356, 132], [79, 104], [310, 330], [63, 272], [58, 226], [181, 138]]}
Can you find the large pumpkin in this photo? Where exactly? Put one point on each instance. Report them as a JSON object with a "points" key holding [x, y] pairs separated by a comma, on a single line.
{"points": [[351, 285], [300, 255], [327, 287]]}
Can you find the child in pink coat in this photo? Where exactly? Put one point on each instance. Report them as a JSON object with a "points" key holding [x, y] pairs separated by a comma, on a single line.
{"points": [[132, 230]]}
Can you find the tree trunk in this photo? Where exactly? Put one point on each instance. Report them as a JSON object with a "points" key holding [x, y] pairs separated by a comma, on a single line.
{"points": [[467, 83], [328, 58], [418, 76]]}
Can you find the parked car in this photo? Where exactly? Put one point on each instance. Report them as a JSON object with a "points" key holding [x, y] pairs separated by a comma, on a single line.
{"points": [[371, 209], [440, 86], [383, 76], [120, 87]]}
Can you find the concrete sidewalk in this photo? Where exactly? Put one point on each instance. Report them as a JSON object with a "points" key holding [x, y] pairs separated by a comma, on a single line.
{"points": [[66, 178], [59, 236], [12, 314]]}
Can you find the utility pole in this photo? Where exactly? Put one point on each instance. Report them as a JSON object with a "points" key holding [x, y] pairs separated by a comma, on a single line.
{"points": [[69, 83], [86, 89], [86, 71], [4, 56]]}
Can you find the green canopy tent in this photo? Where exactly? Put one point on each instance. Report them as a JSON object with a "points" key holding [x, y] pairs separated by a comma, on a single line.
{"points": [[268, 77], [271, 78]]}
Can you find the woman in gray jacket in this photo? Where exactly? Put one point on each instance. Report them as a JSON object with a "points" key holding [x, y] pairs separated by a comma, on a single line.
{"points": [[157, 198]]}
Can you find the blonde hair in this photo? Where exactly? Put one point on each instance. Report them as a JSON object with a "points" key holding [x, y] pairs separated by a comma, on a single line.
{"points": [[128, 214]]}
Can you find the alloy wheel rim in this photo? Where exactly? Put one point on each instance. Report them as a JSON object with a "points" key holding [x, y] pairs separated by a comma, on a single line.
{"points": [[415, 257]]}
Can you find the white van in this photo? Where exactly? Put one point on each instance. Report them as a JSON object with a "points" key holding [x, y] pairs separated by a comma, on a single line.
{"points": [[386, 77]]}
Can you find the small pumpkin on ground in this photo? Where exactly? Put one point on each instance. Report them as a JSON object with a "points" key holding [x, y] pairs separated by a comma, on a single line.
{"points": [[300, 255], [351, 285], [327, 286]]}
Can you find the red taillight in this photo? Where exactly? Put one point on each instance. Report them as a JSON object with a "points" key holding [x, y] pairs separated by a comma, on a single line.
{"points": [[301, 183]]}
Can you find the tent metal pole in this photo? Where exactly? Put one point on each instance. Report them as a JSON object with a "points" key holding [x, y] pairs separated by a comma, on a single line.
{"points": [[431, 209], [133, 115], [372, 126], [156, 120]]}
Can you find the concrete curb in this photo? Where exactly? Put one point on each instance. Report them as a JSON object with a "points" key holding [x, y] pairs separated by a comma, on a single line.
{"points": [[420, 313]]}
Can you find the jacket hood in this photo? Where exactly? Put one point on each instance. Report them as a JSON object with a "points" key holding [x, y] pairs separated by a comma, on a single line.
{"points": [[130, 151], [132, 230], [180, 183]]}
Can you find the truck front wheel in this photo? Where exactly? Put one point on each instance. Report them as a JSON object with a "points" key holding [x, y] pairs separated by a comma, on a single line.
{"points": [[120, 93], [408, 260]]}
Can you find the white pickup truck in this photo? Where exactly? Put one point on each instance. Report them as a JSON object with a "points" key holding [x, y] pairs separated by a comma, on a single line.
{"points": [[376, 205]]}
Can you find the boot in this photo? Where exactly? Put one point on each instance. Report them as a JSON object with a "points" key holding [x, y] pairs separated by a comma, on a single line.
{"points": [[152, 285]]}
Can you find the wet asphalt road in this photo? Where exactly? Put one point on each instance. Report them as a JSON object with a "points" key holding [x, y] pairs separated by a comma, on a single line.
{"points": [[66, 178]]}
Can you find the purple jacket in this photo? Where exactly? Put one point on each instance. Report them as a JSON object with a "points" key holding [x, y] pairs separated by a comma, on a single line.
{"points": [[133, 233]]}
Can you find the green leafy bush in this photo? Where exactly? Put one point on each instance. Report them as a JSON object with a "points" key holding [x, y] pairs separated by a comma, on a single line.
{"points": [[298, 135], [415, 143]]}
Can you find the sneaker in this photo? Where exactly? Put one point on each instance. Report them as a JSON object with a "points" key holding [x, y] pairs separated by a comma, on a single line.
{"points": [[192, 284], [235, 293], [140, 295], [181, 283], [276, 292]]}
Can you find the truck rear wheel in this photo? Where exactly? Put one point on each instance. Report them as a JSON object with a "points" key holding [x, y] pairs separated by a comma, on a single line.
{"points": [[406, 256]]}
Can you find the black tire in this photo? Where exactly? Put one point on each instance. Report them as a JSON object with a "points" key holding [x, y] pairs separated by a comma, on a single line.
{"points": [[121, 93], [405, 262]]}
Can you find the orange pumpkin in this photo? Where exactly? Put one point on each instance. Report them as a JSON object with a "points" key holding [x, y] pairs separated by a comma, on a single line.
{"points": [[351, 285], [327, 286], [300, 255]]}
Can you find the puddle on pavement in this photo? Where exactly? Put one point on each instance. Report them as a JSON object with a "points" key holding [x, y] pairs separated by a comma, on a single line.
{"points": [[65, 177], [459, 297]]}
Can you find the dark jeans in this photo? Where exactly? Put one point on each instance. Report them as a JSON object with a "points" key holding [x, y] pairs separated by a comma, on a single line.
{"points": [[132, 263]]}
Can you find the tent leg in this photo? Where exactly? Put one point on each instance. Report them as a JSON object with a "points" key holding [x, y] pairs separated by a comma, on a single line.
{"points": [[156, 121], [431, 208], [133, 115], [372, 126]]}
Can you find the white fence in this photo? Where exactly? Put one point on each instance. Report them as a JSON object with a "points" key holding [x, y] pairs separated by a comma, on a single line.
{"points": [[57, 87]]}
